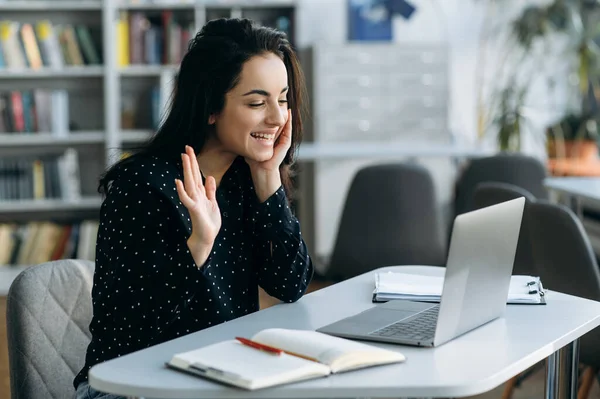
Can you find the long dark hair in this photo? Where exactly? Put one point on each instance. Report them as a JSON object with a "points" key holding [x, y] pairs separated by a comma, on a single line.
{"points": [[211, 68]]}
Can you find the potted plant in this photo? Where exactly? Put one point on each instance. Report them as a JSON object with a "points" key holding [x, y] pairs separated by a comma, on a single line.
{"points": [[529, 53], [575, 136]]}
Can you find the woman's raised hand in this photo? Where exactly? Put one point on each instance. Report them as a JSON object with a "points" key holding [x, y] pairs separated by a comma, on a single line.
{"points": [[201, 202]]}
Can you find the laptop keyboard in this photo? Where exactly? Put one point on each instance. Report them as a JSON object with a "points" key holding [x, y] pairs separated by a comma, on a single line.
{"points": [[420, 327]]}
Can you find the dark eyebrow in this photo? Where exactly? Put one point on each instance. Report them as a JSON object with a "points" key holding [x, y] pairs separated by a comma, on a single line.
{"points": [[262, 92]]}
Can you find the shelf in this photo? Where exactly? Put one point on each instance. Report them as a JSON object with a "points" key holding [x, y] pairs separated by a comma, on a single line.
{"points": [[160, 5], [147, 70], [329, 151], [16, 140], [56, 5], [50, 205], [7, 275], [48, 73], [135, 136]]}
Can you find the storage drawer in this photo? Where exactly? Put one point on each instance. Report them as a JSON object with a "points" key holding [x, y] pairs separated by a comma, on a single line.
{"points": [[337, 56], [332, 82], [416, 107], [417, 85], [353, 129], [351, 106]]}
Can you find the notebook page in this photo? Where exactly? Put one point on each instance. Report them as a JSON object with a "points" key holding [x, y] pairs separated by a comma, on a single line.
{"points": [[325, 348], [248, 363], [522, 288], [412, 284]]}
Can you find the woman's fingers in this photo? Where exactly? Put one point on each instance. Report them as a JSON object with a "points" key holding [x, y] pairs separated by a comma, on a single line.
{"points": [[285, 138], [183, 196], [211, 188], [195, 168], [188, 177]]}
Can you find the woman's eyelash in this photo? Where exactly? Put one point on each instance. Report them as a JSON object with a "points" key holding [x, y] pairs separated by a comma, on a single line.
{"points": [[261, 104]]}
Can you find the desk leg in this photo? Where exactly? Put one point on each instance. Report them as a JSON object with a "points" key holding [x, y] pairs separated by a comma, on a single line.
{"points": [[561, 372]]}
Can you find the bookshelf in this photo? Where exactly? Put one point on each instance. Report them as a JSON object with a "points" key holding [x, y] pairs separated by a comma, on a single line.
{"points": [[106, 95]]}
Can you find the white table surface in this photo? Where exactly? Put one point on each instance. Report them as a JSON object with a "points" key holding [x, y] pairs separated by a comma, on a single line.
{"points": [[323, 151], [584, 187], [471, 364]]}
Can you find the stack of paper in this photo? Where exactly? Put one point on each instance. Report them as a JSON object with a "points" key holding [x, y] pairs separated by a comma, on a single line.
{"points": [[418, 287]]}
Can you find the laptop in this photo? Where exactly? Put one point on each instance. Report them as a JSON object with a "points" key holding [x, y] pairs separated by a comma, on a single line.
{"points": [[475, 291]]}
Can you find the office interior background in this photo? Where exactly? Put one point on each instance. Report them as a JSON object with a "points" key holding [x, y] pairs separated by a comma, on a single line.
{"points": [[425, 83]]}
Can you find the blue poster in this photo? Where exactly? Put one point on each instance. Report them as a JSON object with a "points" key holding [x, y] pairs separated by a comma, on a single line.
{"points": [[369, 20], [372, 19]]}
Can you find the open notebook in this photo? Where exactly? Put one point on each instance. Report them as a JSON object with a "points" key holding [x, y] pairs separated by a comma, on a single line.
{"points": [[237, 364], [418, 287]]}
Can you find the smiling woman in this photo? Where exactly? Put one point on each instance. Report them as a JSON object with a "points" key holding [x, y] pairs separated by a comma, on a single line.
{"points": [[196, 220]]}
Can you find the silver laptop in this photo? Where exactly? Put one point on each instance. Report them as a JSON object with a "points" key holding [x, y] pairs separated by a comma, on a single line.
{"points": [[475, 291]]}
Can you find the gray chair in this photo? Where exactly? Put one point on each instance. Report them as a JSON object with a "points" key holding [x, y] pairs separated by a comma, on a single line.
{"points": [[49, 309], [566, 262], [390, 217], [492, 193], [516, 169]]}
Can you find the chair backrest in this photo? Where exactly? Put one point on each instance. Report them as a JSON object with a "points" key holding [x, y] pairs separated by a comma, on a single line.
{"points": [[517, 169], [49, 309], [492, 193], [562, 251], [390, 217], [566, 262]]}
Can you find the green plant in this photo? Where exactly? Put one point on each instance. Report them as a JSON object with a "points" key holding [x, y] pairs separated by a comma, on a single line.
{"points": [[529, 37], [575, 127], [510, 119]]}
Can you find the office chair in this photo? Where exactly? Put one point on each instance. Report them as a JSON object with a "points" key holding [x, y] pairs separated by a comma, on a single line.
{"points": [[566, 262], [520, 170], [390, 217], [49, 309], [492, 193]]}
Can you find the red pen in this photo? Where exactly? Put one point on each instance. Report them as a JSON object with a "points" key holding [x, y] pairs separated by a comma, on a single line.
{"points": [[259, 346]]}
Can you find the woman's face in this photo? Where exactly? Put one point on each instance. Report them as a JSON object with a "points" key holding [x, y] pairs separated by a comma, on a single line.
{"points": [[255, 109]]}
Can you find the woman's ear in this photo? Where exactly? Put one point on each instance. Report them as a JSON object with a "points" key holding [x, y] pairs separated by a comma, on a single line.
{"points": [[212, 119]]}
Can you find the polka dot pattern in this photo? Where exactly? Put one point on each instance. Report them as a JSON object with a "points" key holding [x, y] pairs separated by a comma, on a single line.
{"points": [[147, 286]]}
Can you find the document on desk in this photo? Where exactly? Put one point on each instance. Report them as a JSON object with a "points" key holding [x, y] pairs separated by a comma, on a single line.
{"points": [[278, 356], [418, 287]]}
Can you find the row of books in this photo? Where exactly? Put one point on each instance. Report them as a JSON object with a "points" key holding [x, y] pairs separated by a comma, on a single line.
{"points": [[135, 106], [38, 242], [34, 111], [26, 45], [152, 38], [27, 178]]}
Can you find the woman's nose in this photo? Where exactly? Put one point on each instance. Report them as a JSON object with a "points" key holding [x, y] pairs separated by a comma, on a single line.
{"points": [[276, 116]]}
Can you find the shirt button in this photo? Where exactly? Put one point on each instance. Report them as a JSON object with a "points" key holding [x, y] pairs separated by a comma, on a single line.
{"points": [[225, 214]]}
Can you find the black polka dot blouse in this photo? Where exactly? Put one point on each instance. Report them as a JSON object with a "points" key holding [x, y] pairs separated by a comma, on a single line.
{"points": [[147, 288]]}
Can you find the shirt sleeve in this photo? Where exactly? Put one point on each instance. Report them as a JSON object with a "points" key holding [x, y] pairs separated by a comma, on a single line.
{"points": [[145, 274], [283, 265]]}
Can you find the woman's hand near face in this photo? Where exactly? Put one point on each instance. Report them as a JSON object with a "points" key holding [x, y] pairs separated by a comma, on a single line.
{"points": [[265, 175], [201, 202]]}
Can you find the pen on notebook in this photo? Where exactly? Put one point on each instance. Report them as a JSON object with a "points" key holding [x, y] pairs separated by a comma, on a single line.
{"points": [[272, 349], [259, 346]]}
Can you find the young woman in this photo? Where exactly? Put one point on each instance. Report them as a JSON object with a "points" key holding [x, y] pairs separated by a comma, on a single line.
{"points": [[196, 220]]}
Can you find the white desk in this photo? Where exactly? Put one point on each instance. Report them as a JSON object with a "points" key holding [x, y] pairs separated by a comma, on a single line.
{"points": [[582, 187], [327, 151], [474, 363]]}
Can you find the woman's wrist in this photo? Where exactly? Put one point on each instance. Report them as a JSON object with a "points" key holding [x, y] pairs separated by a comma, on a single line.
{"points": [[200, 251], [266, 183]]}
